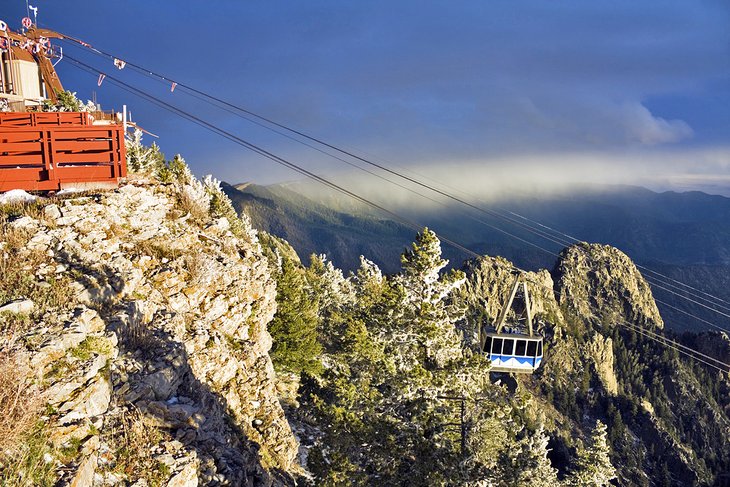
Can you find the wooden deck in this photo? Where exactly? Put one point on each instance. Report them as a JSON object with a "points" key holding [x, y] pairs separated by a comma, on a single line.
{"points": [[56, 150]]}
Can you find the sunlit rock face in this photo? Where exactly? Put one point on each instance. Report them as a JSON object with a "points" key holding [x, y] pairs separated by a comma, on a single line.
{"points": [[156, 365]]}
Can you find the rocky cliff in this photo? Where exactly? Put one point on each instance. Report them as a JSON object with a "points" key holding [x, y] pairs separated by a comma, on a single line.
{"points": [[138, 318], [601, 285], [667, 416]]}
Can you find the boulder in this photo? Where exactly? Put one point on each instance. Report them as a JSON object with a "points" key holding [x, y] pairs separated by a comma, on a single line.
{"points": [[24, 306]]}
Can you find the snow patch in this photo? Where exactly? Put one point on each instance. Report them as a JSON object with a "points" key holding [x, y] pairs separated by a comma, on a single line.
{"points": [[69, 191], [16, 196]]}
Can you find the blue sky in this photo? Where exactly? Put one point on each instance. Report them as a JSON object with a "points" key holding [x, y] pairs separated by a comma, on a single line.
{"points": [[618, 91]]}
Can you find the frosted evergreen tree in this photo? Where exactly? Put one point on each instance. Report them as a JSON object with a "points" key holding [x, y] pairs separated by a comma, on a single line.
{"points": [[295, 345], [392, 368], [329, 285], [527, 463], [141, 157], [593, 467], [429, 315]]}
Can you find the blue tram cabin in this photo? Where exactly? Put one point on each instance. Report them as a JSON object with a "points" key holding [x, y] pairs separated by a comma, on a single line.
{"points": [[513, 352]]}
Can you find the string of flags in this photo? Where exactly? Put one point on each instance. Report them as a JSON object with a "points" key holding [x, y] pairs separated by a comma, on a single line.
{"points": [[119, 64]]}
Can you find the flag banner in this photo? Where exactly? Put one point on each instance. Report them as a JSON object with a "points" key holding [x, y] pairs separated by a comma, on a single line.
{"points": [[101, 79]]}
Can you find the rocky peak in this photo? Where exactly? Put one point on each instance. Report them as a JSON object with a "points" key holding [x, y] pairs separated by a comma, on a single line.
{"points": [[601, 285]]}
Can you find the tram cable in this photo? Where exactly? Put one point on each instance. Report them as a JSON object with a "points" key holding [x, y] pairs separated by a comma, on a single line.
{"points": [[232, 108], [690, 315], [258, 150], [677, 344], [683, 349], [235, 109], [254, 148]]}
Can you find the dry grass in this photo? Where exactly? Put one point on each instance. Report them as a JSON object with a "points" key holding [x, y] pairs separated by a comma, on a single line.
{"points": [[198, 266], [14, 238], [157, 250], [30, 466], [20, 401], [33, 209], [23, 440], [17, 279], [138, 335], [115, 230], [132, 443]]}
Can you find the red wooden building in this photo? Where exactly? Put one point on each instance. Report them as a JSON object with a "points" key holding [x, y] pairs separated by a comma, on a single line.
{"points": [[48, 151]]}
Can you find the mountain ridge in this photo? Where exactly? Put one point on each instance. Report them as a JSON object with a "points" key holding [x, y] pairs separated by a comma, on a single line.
{"points": [[674, 233]]}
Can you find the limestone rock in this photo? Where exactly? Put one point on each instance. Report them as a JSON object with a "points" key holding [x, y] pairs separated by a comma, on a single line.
{"points": [[25, 306], [92, 401], [52, 212], [601, 351], [164, 338], [85, 474], [187, 477], [600, 284]]}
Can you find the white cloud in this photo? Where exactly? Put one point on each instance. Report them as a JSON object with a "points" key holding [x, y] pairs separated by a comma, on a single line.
{"points": [[644, 127]]}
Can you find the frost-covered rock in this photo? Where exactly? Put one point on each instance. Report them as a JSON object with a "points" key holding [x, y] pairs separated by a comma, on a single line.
{"points": [[18, 306], [16, 196], [166, 324]]}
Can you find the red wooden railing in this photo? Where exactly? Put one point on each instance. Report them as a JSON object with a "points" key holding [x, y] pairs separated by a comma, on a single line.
{"points": [[33, 119], [48, 153]]}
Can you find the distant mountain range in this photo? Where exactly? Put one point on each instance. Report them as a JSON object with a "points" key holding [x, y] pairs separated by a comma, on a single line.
{"points": [[685, 236], [315, 228]]}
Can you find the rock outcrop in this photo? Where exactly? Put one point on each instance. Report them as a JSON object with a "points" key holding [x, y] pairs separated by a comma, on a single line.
{"points": [[601, 285], [157, 366], [666, 417]]}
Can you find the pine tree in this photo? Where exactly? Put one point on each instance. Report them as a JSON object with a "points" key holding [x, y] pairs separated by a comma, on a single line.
{"points": [[396, 375], [594, 466], [430, 316], [293, 330], [527, 463]]}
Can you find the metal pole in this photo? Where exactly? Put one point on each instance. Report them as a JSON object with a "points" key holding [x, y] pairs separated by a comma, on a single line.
{"points": [[124, 118]]}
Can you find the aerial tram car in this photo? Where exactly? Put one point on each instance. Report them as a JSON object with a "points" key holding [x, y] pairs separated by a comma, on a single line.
{"points": [[513, 346]]}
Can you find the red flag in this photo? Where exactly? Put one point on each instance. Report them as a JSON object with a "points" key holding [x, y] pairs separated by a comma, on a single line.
{"points": [[172, 88]]}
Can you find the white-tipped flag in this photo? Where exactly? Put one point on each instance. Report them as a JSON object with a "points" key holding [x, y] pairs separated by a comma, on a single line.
{"points": [[172, 88], [119, 63], [101, 79]]}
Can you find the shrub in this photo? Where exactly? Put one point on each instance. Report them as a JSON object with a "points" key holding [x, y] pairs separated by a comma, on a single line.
{"points": [[132, 442], [142, 159], [19, 401], [221, 206], [67, 102]]}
